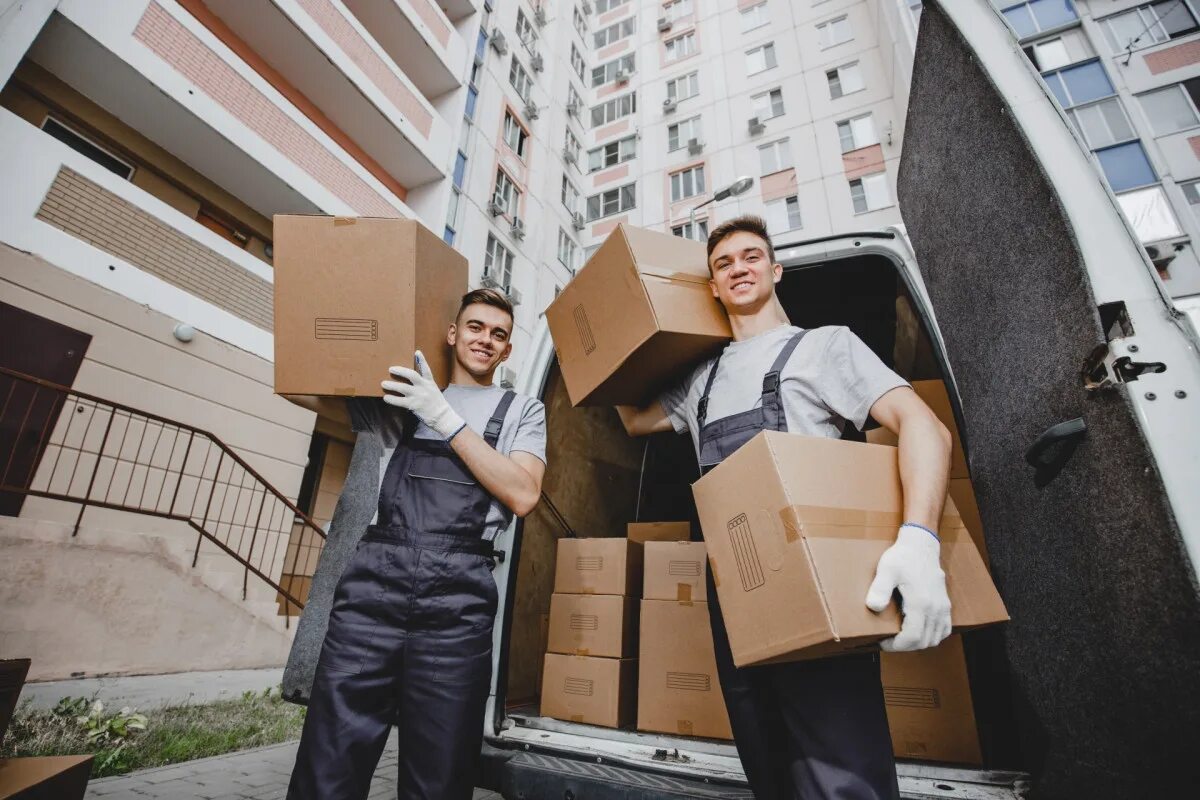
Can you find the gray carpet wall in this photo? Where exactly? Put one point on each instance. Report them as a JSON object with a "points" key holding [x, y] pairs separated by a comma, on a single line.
{"points": [[351, 516], [1104, 643]]}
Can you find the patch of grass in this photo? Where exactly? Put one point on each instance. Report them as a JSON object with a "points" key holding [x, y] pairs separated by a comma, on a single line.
{"points": [[173, 733]]}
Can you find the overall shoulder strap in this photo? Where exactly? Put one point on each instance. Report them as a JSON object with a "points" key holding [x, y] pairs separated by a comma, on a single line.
{"points": [[775, 418], [702, 410], [491, 434]]}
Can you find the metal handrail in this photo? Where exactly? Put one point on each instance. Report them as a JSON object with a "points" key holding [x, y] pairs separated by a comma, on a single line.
{"points": [[56, 451]]}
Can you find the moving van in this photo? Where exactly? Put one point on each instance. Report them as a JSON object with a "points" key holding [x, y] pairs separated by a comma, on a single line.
{"points": [[1076, 390]]}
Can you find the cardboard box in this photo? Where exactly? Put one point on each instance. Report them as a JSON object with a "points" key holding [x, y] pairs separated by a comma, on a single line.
{"points": [[598, 566], [674, 571], [963, 495], [598, 691], [678, 689], [642, 532], [355, 295], [45, 777], [593, 625], [929, 708], [636, 317], [935, 396], [795, 526]]}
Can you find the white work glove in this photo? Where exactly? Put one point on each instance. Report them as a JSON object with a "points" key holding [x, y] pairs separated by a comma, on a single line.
{"points": [[422, 397], [912, 566]]}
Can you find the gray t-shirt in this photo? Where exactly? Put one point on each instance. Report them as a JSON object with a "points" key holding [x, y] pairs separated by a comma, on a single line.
{"points": [[831, 376], [524, 429]]}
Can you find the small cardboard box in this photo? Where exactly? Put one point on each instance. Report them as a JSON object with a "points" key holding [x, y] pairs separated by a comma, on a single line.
{"points": [[935, 396], [642, 532], [928, 700], [598, 566], [674, 571], [355, 295], [795, 526], [593, 625], [636, 317], [678, 689], [598, 691]]}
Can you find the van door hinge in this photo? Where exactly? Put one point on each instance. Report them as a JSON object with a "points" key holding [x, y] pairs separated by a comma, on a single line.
{"points": [[1103, 369]]}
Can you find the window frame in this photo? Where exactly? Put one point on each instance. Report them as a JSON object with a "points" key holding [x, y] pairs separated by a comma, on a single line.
{"points": [[512, 198], [627, 61], [849, 123], [71, 130], [693, 123], [825, 41], [836, 72], [679, 180], [616, 32], [769, 94], [489, 261], [670, 56], [515, 72], [619, 195], [620, 153], [614, 103], [769, 62], [692, 79], [760, 12], [1105, 24], [780, 152], [862, 182], [511, 122], [1190, 100], [788, 202]]}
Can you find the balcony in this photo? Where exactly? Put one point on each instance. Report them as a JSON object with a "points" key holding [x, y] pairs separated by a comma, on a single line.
{"points": [[458, 9], [419, 38]]}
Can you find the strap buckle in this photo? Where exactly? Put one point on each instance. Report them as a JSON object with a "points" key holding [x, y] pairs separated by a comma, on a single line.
{"points": [[771, 383]]}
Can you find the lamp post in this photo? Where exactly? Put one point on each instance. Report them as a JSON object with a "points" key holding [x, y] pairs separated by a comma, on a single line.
{"points": [[737, 187]]}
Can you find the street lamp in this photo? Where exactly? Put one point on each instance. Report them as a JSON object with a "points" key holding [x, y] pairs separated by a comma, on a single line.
{"points": [[737, 187]]}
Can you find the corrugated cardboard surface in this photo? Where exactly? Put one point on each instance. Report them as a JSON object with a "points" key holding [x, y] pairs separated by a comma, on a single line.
{"points": [[355, 295], [593, 625], [795, 526], [642, 532], [598, 566], [929, 708], [636, 317], [678, 689], [674, 571], [935, 396], [963, 495], [597, 691]]}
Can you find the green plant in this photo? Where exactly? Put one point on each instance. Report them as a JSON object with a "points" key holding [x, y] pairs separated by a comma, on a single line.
{"points": [[113, 728]]}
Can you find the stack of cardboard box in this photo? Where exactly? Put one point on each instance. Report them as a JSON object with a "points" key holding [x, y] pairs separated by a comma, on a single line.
{"points": [[678, 688]]}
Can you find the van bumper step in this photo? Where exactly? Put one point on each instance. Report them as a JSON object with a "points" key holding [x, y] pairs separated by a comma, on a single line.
{"points": [[533, 776]]}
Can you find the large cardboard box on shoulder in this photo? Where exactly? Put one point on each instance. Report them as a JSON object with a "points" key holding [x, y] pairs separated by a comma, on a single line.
{"points": [[598, 691], [929, 709], [638, 315], [355, 295], [603, 565], [678, 688], [795, 526], [603, 625]]}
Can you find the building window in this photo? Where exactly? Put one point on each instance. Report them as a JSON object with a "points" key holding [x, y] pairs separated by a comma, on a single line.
{"points": [[767, 104], [685, 231], [1172, 109], [677, 10], [755, 17], [607, 73], [580, 21], [1148, 25], [570, 195], [1048, 55], [844, 80], [520, 79], [760, 58], [86, 147], [684, 86], [506, 195], [1079, 84], [614, 109], [608, 5], [775, 156], [1103, 123], [613, 153], [870, 193], [577, 61], [1191, 191], [1126, 166], [571, 144], [1030, 19], [687, 183], [834, 32], [613, 201], [614, 33], [460, 169], [525, 30], [1149, 211], [679, 134], [451, 229], [857, 132], [498, 262], [567, 250], [514, 135], [680, 47], [573, 98], [472, 96], [783, 215]]}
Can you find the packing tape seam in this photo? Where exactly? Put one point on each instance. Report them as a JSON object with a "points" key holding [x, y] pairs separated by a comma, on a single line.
{"points": [[800, 521]]}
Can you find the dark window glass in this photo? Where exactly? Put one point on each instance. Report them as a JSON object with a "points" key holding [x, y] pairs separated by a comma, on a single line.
{"points": [[81, 145]]}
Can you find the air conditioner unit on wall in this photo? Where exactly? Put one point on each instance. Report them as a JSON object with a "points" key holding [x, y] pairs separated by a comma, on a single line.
{"points": [[537, 62], [514, 296], [539, 16], [496, 207], [532, 111], [664, 24], [569, 155], [498, 42], [488, 282], [756, 126], [573, 108], [623, 75], [577, 221], [518, 228], [695, 146], [669, 105]]}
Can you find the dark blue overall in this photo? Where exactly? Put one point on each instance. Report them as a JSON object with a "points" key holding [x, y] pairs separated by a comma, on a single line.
{"points": [[807, 729], [410, 637]]}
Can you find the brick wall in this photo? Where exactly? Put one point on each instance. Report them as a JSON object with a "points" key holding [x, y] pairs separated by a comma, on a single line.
{"points": [[1174, 57], [111, 223]]}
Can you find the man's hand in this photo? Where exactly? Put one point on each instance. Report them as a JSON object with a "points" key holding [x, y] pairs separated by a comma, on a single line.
{"points": [[422, 397], [912, 566]]}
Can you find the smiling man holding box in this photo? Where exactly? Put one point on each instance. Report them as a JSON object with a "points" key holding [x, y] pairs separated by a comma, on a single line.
{"points": [[811, 728]]}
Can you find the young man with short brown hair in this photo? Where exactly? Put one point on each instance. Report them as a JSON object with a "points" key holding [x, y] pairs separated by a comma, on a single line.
{"points": [[409, 641], [811, 728]]}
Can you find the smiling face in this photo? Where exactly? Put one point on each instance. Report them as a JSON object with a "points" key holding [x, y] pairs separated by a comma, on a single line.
{"points": [[743, 277], [480, 338]]}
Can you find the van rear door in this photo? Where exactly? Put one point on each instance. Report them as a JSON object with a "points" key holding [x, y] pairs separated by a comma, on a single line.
{"points": [[1058, 333]]}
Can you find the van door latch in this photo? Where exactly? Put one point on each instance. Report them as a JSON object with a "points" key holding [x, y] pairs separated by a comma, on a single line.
{"points": [[1103, 369]]}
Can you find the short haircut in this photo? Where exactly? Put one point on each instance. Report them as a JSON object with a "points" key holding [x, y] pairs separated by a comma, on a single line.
{"points": [[748, 223], [489, 297]]}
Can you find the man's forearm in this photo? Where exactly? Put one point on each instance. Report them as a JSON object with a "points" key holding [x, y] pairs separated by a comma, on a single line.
{"points": [[505, 479], [924, 445]]}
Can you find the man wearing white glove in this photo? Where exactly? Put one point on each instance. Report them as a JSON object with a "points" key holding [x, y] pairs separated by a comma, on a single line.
{"points": [[811, 728], [409, 641]]}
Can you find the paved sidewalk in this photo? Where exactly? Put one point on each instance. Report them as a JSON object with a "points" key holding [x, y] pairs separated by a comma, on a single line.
{"points": [[260, 774], [152, 691]]}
